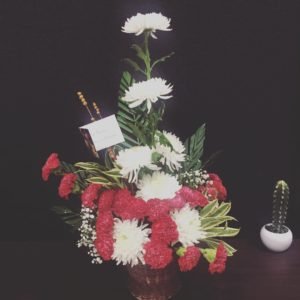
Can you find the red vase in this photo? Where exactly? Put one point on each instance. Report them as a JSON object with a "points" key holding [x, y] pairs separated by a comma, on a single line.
{"points": [[148, 284]]}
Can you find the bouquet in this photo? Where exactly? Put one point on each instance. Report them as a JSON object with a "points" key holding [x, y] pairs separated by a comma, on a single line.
{"points": [[147, 200]]}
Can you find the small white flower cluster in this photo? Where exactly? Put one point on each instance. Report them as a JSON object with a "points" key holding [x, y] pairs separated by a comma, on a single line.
{"points": [[88, 233], [195, 179]]}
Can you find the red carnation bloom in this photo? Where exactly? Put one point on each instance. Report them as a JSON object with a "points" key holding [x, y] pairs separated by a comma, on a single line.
{"points": [[164, 230], [157, 208], [51, 164], [105, 246], [104, 223], [128, 207], [105, 201], [214, 177], [104, 235], [219, 264], [177, 202], [190, 259], [221, 190], [157, 255], [138, 209], [66, 185], [90, 194], [193, 197]]}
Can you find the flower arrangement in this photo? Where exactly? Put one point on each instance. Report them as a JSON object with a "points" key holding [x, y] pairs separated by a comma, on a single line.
{"points": [[149, 200]]}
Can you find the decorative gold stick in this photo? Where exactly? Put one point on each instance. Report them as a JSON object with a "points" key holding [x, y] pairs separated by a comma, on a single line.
{"points": [[97, 109], [85, 104]]}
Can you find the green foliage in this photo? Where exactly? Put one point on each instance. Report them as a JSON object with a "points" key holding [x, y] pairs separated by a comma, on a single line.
{"points": [[194, 147], [212, 216], [162, 59], [68, 216], [128, 118]]}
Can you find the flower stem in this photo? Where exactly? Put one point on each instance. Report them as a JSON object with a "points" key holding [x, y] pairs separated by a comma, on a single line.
{"points": [[147, 52]]}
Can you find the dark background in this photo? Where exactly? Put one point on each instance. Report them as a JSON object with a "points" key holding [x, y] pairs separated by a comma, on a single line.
{"points": [[236, 68]]}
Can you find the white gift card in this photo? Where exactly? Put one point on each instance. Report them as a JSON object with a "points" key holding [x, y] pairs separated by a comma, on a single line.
{"points": [[105, 132]]}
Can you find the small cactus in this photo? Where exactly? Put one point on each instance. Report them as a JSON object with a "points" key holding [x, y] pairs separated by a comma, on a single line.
{"points": [[280, 206]]}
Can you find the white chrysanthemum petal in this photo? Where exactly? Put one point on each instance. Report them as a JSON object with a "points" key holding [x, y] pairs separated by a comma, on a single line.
{"points": [[153, 21], [133, 159], [174, 141], [171, 158], [159, 185], [188, 224], [150, 90], [130, 239]]}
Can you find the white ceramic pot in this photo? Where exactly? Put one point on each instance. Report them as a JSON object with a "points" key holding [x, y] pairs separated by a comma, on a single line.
{"points": [[277, 242]]}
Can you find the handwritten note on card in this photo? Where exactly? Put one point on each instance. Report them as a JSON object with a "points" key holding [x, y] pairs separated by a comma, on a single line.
{"points": [[105, 132]]}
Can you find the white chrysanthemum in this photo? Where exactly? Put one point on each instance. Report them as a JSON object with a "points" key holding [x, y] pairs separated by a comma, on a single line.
{"points": [[141, 22], [188, 225], [150, 91], [130, 239], [174, 141], [158, 185], [133, 159], [170, 158]]}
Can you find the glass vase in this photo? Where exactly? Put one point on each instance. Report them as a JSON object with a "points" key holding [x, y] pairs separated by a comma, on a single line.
{"points": [[149, 284]]}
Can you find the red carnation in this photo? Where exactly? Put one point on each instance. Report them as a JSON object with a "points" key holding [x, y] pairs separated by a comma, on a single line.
{"points": [[164, 230], [51, 164], [128, 207], [190, 259], [157, 255], [157, 208], [104, 223], [221, 190], [105, 246], [90, 194], [214, 177], [219, 263], [66, 185], [138, 209], [193, 197], [105, 201], [104, 235], [177, 202]]}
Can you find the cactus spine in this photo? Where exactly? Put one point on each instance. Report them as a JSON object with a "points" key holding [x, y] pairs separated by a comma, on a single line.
{"points": [[280, 206]]}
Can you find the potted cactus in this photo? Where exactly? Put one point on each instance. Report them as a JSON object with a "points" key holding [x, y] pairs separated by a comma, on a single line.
{"points": [[276, 236]]}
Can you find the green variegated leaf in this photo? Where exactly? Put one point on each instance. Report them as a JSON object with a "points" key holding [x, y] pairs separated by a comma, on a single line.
{"points": [[222, 232], [90, 166], [222, 210], [214, 243], [211, 222], [209, 208]]}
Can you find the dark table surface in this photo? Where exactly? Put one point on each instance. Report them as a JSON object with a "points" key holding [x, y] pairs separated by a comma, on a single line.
{"points": [[58, 270]]}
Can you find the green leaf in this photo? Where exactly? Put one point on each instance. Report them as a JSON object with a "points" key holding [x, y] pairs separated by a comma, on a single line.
{"points": [[194, 147], [222, 232], [222, 210], [139, 52], [212, 222], [209, 254], [209, 208], [214, 243], [68, 216], [134, 65], [162, 59]]}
